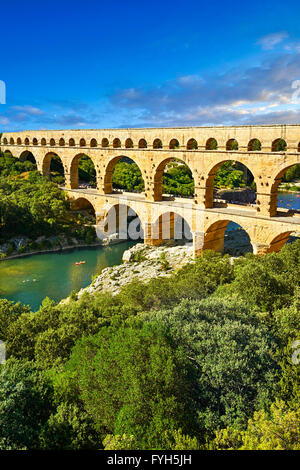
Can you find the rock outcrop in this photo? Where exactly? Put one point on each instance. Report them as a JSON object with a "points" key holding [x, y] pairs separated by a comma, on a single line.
{"points": [[141, 263]]}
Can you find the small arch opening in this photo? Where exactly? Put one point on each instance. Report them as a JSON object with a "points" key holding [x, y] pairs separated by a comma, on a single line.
{"points": [[192, 144], [232, 144], [52, 142], [43, 141], [174, 144], [19, 141], [11, 141], [129, 144], [157, 144], [104, 143], [82, 143], [142, 144], [116, 143], [61, 142], [254, 145], [211, 144], [93, 143], [71, 142], [279, 145]]}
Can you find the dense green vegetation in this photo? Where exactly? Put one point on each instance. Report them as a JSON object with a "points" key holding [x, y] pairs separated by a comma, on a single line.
{"points": [[11, 166], [33, 206], [178, 179], [200, 359]]}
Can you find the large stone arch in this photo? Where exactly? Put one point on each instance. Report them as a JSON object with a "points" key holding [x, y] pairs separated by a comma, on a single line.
{"points": [[109, 170], [46, 163], [211, 171], [74, 164], [122, 218], [82, 202], [27, 155], [159, 171], [276, 180], [214, 233], [170, 226], [278, 242]]}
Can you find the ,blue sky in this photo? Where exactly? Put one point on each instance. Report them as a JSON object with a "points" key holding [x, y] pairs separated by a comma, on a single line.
{"points": [[93, 63]]}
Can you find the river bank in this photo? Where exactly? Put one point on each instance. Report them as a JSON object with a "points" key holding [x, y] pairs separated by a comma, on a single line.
{"points": [[63, 246]]}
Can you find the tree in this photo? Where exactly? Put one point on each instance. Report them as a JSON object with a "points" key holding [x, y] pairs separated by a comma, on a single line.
{"points": [[134, 380], [25, 404], [9, 312], [232, 352], [277, 430]]}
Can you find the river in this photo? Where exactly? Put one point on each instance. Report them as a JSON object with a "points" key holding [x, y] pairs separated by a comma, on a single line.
{"points": [[55, 275]]}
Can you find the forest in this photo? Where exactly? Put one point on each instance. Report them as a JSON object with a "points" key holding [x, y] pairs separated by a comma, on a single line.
{"points": [[33, 206], [202, 359]]}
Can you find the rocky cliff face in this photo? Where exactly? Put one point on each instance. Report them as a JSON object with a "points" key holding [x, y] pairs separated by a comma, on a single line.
{"points": [[141, 263]]}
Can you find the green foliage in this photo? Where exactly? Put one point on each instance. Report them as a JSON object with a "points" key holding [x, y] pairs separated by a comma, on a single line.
{"points": [[164, 262], [178, 180], [69, 428], [9, 313], [292, 174], [276, 277], [229, 175], [11, 166], [232, 353], [119, 373], [162, 365], [86, 170], [279, 146], [32, 207], [128, 176], [278, 430], [25, 405]]}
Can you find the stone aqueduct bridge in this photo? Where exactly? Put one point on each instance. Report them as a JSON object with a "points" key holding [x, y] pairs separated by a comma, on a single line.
{"points": [[152, 149]]}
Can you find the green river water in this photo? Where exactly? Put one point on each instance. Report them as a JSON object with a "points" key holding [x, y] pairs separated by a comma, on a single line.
{"points": [[30, 279]]}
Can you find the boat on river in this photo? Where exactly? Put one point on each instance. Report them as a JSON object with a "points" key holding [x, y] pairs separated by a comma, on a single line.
{"points": [[79, 262]]}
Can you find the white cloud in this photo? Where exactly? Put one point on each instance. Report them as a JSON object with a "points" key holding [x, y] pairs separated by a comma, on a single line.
{"points": [[269, 41]]}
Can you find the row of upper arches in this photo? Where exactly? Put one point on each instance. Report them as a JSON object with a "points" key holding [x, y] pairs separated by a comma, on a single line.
{"points": [[254, 145]]}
